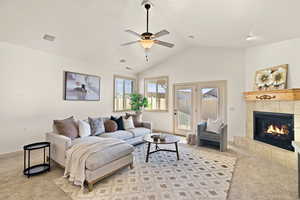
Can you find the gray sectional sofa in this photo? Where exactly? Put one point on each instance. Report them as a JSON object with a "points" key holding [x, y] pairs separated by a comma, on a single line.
{"points": [[60, 144], [97, 167]]}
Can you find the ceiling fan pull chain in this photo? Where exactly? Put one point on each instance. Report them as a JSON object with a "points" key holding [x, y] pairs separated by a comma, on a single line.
{"points": [[147, 55]]}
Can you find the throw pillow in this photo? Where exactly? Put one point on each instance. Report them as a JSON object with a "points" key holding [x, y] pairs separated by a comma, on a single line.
{"points": [[67, 127], [135, 119], [119, 121], [97, 125], [110, 126], [84, 129], [128, 123], [214, 126]]}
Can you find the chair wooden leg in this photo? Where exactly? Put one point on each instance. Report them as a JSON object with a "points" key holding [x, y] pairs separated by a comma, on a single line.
{"points": [[90, 187], [131, 166]]}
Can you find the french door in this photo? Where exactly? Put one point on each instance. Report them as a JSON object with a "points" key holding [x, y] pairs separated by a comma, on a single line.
{"points": [[195, 102], [184, 106]]}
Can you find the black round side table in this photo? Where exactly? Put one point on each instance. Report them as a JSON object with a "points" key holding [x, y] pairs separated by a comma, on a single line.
{"points": [[40, 168]]}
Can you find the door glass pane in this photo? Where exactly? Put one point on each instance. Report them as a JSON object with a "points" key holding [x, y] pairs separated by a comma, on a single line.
{"points": [[119, 83], [184, 108], [210, 103]]}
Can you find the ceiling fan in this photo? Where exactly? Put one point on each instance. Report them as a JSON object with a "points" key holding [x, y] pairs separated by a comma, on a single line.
{"points": [[147, 39]]}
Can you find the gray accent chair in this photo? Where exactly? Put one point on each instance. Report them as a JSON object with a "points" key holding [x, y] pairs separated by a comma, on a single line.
{"points": [[203, 135]]}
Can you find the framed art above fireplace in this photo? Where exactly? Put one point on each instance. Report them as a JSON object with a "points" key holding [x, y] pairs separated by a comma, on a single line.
{"points": [[273, 78]]}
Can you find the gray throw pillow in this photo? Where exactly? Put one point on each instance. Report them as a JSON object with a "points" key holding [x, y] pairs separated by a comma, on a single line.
{"points": [[97, 125]]}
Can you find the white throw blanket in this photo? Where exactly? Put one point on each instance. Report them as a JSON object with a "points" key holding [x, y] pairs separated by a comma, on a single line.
{"points": [[79, 153]]}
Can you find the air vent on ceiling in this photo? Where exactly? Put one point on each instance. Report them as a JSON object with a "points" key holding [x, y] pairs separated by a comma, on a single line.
{"points": [[122, 60], [129, 68], [50, 38]]}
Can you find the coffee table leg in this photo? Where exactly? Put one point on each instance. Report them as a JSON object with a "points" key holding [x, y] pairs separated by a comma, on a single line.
{"points": [[148, 151], [176, 146]]}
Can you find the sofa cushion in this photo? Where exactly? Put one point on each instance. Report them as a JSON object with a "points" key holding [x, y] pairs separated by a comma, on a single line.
{"points": [[128, 123], [135, 117], [67, 127], [84, 128], [122, 135], [79, 140], [214, 126], [108, 155], [138, 132], [119, 121], [97, 125], [110, 126]]}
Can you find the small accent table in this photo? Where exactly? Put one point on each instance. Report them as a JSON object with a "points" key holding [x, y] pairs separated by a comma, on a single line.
{"points": [[40, 168], [169, 139]]}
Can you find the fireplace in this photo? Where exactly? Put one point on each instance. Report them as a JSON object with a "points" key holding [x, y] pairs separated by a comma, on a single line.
{"points": [[274, 128]]}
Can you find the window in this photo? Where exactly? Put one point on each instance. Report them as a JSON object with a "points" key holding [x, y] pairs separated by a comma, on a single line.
{"points": [[156, 91], [123, 87], [209, 103]]}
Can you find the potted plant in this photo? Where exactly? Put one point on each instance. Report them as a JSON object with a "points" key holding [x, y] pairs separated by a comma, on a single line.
{"points": [[138, 103]]}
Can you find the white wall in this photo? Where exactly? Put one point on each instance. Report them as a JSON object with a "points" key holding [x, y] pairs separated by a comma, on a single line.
{"points": [[31, 94], [286, 52], [203, 64]]}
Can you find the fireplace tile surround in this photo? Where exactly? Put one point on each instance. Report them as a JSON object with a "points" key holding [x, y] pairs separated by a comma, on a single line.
{"points": [[267, 151]]}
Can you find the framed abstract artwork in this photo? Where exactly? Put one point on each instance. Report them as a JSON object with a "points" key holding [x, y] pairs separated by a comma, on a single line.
{"points": [[273, 78], [81, 87]]}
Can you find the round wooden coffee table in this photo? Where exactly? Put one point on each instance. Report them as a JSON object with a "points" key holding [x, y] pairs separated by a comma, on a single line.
{"points": [[169, 139]]}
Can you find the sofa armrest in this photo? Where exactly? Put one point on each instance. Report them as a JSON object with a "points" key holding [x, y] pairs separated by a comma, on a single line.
{"points": [[59, 145], [201, 127], [147, 125]]}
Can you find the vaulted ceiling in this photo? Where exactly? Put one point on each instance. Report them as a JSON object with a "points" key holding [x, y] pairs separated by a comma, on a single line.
{"points": [[92, 30]]}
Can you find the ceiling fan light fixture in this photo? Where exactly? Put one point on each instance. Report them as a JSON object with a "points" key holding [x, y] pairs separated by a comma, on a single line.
{"points": [[147, 44]]}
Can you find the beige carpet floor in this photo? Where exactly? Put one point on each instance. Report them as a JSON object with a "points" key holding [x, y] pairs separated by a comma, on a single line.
{"points": [[198, 175], [254, 178]]}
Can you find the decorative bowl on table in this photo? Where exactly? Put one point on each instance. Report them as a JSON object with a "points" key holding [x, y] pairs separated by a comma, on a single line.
{"points": [[155, 137], [162, 137]]}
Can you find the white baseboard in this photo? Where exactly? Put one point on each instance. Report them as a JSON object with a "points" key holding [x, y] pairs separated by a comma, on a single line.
{"points": [[11, 154]]}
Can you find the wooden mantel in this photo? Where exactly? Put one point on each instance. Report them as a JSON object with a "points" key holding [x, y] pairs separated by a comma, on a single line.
{"points": [[273, 95]]}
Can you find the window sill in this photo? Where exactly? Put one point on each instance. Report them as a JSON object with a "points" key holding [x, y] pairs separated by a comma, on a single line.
{"points": [[119, 111], [162, 111]]}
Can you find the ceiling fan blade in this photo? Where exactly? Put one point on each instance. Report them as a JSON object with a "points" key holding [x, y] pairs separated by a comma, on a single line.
{"points": [[166, 44], [129, 43], [132, 32], [161, 33]]}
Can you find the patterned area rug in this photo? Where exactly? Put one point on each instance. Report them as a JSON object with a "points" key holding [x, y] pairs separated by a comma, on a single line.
{"points": [[198, 175]]}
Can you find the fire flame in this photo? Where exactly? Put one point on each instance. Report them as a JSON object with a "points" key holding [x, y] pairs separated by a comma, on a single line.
{"points": [[273, 129]]}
